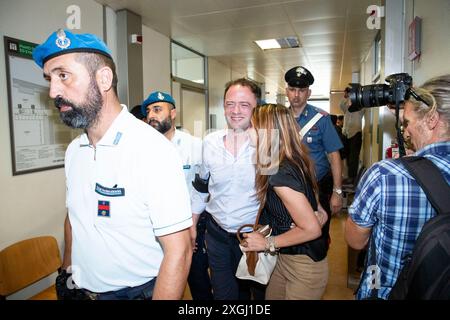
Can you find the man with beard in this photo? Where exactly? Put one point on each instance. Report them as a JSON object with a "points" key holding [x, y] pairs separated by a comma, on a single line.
{"points": [[161, 112], [126, 237]]}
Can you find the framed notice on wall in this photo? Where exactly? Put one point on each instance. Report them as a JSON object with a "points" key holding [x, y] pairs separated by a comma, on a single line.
{"points": [[38, 136], [414, 40]]}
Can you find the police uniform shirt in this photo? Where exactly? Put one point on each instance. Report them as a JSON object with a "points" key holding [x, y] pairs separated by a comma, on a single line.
{"points": [[121, 195], [190, 150], [321, 139]]}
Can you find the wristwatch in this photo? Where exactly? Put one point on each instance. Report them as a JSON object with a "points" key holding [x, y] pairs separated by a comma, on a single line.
{"points": [[338, 191]]}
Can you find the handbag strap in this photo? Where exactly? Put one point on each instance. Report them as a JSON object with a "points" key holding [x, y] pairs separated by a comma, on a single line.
{"points": [[253, 226]]}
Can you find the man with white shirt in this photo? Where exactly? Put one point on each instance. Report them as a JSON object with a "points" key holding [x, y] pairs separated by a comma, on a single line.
{"points": [[230, 196], [160, 112], [126, 237]]}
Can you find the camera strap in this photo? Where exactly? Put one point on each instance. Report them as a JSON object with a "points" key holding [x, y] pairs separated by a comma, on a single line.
{"points": [[310, 124]]}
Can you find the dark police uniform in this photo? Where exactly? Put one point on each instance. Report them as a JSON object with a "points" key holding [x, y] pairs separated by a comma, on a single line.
{"points": [[321, 139]]}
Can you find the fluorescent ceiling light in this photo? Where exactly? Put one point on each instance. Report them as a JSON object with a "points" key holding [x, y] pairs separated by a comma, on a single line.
{"points": [[280, 43], [268, 44]]}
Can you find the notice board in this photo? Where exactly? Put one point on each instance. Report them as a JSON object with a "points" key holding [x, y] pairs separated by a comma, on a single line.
{"points": [[38, 137]]}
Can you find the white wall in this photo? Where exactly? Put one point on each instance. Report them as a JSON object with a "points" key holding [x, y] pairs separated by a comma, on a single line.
{"points": [[156, 61], [434, 60], [33, 204], [219, 75], [111, 33]]}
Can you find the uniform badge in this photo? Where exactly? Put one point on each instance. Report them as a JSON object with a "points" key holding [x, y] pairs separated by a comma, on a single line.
{"points": [[309, 139], [61, 39], [103, 209], [300, 71], [160, 96], [109, 192]]}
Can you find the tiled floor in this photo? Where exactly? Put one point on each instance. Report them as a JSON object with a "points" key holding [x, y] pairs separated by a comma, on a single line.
{"points": [[337, 261]]}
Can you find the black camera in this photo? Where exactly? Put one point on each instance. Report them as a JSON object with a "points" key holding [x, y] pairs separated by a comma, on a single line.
{"points": [[375, 95]]}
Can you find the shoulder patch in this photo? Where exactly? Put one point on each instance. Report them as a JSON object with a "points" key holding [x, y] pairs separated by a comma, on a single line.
{"points": [[318, 110]]}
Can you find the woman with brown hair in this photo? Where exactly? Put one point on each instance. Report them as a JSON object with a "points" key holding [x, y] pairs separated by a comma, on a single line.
{"points": [[287, 189]]}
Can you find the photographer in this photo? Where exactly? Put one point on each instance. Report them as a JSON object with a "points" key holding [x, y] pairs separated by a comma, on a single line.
{"points": [[389, 204]]}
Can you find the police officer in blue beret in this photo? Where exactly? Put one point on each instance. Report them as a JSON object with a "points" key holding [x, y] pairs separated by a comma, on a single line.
{"points": [[125, 235], [322, 140], [159, 109]]}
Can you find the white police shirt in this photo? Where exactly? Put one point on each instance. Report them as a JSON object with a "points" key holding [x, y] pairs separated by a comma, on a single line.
{"points": [[190, 150], [121, 195]]}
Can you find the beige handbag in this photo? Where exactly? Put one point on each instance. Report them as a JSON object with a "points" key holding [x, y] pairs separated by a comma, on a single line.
{"points": [[256, 266]]}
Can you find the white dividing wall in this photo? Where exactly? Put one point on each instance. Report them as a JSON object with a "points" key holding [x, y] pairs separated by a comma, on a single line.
{"points": [[219, 75], [33, 204], [434, 60], [156, 61]]}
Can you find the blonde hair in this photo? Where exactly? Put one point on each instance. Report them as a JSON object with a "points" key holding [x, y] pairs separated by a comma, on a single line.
{"points": [[275, 120], [436, 92]]}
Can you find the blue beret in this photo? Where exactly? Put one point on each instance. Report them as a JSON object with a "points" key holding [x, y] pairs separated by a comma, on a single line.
{"points": [[156, 96], [299, 77], [63, 41]]}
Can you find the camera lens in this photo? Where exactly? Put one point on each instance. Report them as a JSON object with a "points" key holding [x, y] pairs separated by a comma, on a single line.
{"points": [[373, 95]]}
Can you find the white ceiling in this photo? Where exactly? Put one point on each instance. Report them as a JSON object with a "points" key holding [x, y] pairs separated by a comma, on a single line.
{"points": [[333, 35]]}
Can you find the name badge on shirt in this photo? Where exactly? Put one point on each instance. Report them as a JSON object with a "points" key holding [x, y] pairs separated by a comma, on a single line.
{"points": [[109, 192], [186, 167], [103, 209], [309, 139]]}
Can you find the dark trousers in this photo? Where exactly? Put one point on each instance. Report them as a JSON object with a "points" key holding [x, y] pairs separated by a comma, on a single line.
{"points": [[354, 148], [142, 292], [224, 255], [198, 279], [66, 292], [325, 191]]}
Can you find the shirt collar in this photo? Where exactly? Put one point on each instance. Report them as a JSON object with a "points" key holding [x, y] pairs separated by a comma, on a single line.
{"points": [[113, 135], [441, 148], [305, 111], [176, 137]]}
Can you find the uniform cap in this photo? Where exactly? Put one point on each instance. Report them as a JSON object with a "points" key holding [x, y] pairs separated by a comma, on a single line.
{"points": [[63, 41], [156, 96], [299, 77]]}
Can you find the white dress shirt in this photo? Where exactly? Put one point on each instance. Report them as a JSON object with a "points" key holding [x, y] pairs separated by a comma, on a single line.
{"points": [[232, 199]]}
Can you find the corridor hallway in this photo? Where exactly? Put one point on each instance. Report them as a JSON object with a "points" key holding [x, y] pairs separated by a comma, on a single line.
{"points": [[337, 262]]}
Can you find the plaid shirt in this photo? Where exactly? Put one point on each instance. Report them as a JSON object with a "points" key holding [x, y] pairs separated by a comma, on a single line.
{"points": [[390, 201]]}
